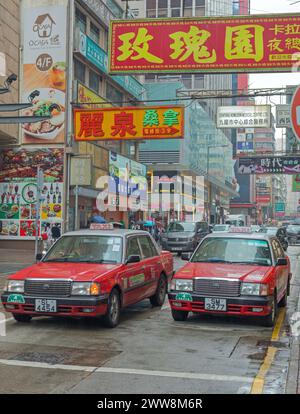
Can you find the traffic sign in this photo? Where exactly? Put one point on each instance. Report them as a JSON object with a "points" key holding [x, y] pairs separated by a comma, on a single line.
{"points": [[295, 113]]}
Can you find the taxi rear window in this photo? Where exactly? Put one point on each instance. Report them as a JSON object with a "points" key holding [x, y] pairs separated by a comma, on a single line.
{"points": [[234, 250]]}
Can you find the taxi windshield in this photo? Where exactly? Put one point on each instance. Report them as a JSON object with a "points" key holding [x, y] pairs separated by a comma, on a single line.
{"points": [[234, 250], [86, 249]]}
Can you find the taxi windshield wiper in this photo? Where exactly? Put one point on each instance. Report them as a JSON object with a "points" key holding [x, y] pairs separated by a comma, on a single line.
{"points": [[97, 261], [253, 263], [216, 260], [59, 260]]}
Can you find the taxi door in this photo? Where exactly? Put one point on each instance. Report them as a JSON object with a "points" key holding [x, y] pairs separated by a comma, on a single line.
{"points": [[134, 276], [152, 264], [282, 273]]}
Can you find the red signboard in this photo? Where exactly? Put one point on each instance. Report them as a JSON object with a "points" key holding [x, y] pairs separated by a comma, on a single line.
{"points": [[226, 44], [295, 113]]}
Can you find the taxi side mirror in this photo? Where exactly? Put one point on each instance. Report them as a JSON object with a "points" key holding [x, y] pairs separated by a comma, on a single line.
{"points": [[186, 256], [39, 257], [133, 259], [282, 262]]}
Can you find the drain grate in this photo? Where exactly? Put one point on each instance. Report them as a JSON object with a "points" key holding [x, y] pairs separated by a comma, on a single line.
{"points": [[275, 344], [43, 357]]}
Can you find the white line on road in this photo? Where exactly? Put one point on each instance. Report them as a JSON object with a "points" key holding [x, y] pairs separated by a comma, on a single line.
{"points": [[7, 320], [129, 371], [170, 374]]}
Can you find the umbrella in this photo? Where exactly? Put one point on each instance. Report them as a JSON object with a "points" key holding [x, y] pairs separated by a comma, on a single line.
{"points": [[148, 223], [98, 219]]}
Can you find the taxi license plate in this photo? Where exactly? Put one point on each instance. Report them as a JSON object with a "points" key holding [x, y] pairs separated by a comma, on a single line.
{"points": [[215, 304], [45, 305]]}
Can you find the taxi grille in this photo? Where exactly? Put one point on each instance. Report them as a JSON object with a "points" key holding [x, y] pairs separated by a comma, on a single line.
{"points": [[217, 287], [48, 288]]}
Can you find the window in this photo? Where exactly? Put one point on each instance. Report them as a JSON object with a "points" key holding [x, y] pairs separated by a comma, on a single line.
{"points": [[147, 247], [94, 81], [187, 81], [133, 248], [80, 20], [95, 33], [113, 94], [198, 81], [277, 249], [79, 70]]}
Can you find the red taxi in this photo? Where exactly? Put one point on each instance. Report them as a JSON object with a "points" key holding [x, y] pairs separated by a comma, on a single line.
{"points": [[91, 273], [234, 273]]}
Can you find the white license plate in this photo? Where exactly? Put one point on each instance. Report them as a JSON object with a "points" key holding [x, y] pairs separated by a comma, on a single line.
{"points": [[45, 305], [177, 249], [215, 304]]}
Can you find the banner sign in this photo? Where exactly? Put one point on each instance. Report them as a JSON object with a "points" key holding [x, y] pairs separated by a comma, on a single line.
{"points": [[127, 123], [44, 33], [258, 116], [269, 165], [244, 146], [90, 99], [222, 44], [283, 116], [296, 183], [279, 207], [18, 191]]}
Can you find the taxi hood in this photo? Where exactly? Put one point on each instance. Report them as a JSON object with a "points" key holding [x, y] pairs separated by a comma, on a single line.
{"points": [[246, 273], [83, 272]]}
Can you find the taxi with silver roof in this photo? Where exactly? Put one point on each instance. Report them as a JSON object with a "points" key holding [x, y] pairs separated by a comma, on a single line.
{"points": [[91, 273], [235, 273]]}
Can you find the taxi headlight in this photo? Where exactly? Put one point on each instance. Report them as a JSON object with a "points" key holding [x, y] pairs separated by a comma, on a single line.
{"points": [[255, 289], [15, 286], [184, 285], [85, 288]]}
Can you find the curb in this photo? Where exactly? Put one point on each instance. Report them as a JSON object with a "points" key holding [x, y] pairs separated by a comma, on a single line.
{"points": [[293, 369]]}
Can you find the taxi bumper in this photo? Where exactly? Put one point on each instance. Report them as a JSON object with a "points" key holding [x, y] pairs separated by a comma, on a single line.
{"points": [[243, 305], [71, 306]]}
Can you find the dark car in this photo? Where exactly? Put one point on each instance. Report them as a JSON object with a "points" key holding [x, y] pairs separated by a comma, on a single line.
{"points": [[293, 233], [279, 232], [183, 236]]}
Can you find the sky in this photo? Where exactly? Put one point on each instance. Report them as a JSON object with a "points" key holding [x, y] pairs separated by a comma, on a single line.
{"points": [[273, 80]]}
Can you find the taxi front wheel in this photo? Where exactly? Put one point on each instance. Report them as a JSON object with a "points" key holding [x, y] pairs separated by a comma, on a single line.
{"points": [[22, 318], [179, 316], [112, 316], [270, 319]]}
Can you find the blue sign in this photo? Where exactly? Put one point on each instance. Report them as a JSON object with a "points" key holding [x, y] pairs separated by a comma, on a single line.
{"points": [[96, 55], [245, 145]]}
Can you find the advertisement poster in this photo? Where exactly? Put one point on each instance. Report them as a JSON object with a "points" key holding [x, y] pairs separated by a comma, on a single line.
{"points": [[126, 123], [269, 165], [296, 183], [258, 116], [44, 69], [18, 191], [127, 179], [224, 44]]}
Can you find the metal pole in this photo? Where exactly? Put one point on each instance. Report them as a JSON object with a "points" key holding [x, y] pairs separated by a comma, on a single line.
{"points": [[76, 207], [37, 212]]}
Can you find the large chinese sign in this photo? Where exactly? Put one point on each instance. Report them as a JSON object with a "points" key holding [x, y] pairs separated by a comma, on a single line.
{"points": [[226, 44], [18, 191], [44, 57], [151, 122], [269, 165]]}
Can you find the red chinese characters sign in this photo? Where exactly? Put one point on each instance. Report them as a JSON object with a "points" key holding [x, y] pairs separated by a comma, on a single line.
{"points": [[127, 123], [235, 44]]}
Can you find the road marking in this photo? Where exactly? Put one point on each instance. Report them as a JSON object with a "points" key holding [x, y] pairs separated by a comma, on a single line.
{"points": [[259, 381], [171, 374], [128, 371], [7, 320]]}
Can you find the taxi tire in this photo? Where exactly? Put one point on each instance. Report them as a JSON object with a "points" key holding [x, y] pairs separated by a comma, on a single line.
{"points": [[179, 316], [112, 316], [269, 320], [158, 299], [22, 318]]}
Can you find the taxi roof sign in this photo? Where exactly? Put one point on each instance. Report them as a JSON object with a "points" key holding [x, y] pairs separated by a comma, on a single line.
{"points": [[240, 230], [101, 226]]}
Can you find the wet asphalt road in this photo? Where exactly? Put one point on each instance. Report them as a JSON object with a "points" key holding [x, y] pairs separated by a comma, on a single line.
{"points": [[147, 353]]}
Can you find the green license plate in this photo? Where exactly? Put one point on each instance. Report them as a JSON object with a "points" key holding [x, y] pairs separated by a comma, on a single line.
{"points": [[15, 299], [184, 296]]}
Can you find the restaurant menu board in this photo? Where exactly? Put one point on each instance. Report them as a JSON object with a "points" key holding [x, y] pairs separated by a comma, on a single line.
{"points": [[18, 191]]}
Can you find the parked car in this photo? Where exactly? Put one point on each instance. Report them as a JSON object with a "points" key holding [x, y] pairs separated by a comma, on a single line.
{"points": [[293, 233], [91, 273], [233, 274], [221, 228], [279, 232], [183, 236], [255, 227]]}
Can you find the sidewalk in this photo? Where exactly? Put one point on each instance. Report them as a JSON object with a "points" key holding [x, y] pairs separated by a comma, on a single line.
{"points": [[11, 256]]}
